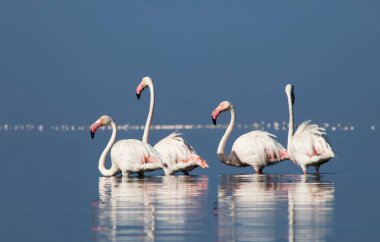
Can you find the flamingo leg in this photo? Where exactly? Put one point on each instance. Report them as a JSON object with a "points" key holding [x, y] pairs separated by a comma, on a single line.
{"points": [[259, 171], [304, 169], [317, 170]]}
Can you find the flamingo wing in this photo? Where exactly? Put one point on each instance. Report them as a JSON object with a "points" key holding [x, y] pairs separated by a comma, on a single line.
{"points": [[131, 154], [174, 148], [258, 147], [310, 141]]}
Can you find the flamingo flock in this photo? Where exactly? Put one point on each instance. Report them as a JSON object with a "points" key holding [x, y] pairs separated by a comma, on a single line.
{"points": [[307, 146]]}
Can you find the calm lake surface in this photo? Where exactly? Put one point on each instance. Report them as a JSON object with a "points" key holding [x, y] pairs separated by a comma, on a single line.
{"points": [[52, 191]]}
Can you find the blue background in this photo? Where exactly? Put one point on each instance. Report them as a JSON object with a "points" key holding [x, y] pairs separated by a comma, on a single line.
{"points": [[71, 61]]}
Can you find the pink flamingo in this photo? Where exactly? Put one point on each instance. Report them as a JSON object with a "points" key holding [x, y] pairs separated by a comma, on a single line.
{"points": [[179, 155], [308, 146], [256, 148], [128, 155]]}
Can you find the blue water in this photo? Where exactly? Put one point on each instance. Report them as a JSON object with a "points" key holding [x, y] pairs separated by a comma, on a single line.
{"points": [[52, 191]]}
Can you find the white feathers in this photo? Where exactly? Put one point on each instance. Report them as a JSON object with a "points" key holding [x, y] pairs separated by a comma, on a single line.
{"points": [[135, 156], [258, 149], [177, 153], [309, 146], [311, 139]]}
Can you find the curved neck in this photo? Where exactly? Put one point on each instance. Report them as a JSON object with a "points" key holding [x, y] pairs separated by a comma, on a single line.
{"points": [[150, 114], [222, 144], [102, 160], [291, 121]]}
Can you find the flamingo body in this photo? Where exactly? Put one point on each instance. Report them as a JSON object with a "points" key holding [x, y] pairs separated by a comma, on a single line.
{"points": [[134, 156], [180, 156], [257, 149], [310, 146]]}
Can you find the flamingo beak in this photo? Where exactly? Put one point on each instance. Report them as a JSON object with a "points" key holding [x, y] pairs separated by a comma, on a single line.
{"points": [[292, 97], [214, 121], [139, 89], [95, 127], [214, 115]]}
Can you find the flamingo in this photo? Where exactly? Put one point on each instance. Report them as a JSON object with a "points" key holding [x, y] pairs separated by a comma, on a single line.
{"points": [[128, 155], [179, 155], [308, 146], [256, 148]]}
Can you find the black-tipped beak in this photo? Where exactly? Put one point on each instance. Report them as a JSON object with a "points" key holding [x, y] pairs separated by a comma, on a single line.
{"points": [[138, 95], [92, 135], [292, 98], [213, 120]]}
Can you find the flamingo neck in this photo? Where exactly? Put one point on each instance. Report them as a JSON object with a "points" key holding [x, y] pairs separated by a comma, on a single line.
{"points": [[150, 114], [222, 144], [291, 122], [102, 160]]}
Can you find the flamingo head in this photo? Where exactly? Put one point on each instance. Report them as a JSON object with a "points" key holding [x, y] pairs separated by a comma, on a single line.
{"points": [[146, 81], [102, 121], [289, 90], [223, 106]]}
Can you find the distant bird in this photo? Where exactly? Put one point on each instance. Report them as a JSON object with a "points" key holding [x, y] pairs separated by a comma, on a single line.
{"points": [[256, 148], [179, 155], [308, 146], [128, 155]]}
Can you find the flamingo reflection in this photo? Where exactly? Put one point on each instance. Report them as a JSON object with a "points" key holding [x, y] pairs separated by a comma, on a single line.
{"points": [[148, 209], [274, 207], [310, 208]]}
